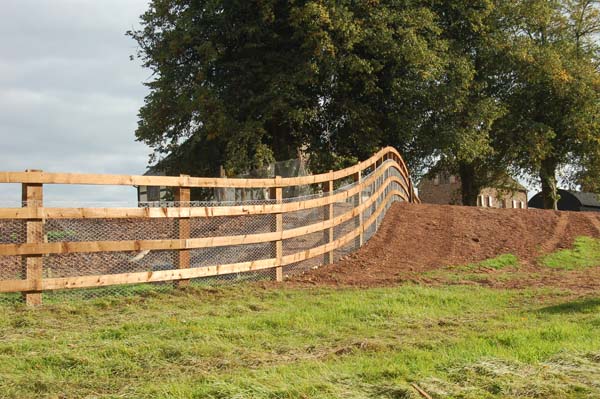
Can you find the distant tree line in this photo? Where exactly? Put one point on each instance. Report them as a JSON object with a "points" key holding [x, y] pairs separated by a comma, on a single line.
{"points": [[482, 87]]}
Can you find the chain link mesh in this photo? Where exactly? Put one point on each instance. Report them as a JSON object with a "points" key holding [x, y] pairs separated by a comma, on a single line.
{"points": [[11, 268], [58, 230], [106, 229], [12, 232]]}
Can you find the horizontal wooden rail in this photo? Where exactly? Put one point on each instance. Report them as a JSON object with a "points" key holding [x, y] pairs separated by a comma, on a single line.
{"points": [[17, 286], [186, 181], [373, 178], [190, 243], [178, 212], [156, 276], [204, 271]]}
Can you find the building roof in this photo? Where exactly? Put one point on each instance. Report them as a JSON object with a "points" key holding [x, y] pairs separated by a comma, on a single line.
{"points": [[586, 199], [570, 201]]}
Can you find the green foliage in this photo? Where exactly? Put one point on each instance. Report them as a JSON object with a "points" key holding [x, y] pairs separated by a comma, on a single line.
{"points": [[241, 83], [552, 91], [320, 343], [499, 262], [585, 253], [466, 106], [486, 87]]}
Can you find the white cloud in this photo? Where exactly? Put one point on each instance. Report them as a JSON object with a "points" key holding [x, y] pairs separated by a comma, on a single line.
{"points": [[69, 94]]}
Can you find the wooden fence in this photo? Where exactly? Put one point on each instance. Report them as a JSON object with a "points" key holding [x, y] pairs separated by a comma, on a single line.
{"points": [[349, 204]]}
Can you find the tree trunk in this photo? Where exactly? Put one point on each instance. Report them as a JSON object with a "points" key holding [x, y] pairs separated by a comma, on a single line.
{"points": [[469, 188], [548, 179]]}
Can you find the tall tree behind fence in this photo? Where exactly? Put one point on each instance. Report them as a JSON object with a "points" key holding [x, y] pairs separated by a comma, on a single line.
{"points": [[48, 250]]}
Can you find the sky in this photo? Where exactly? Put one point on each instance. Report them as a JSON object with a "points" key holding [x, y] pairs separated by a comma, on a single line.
{"points": [[69, 94]]}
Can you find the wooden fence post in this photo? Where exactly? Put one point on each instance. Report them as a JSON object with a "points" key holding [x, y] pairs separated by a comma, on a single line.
{"points": [[222, 192], [328, 214], [376, 185], [32, 196], [182, 197], [359, 220], [276, 193]]}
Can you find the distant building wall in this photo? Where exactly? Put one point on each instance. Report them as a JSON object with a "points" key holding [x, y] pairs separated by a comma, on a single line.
{"points": [[440, 191], [499, 199], [445, 189]]}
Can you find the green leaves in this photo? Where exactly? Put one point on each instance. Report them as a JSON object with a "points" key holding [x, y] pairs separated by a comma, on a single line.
{"points": [[554, 94], [263, 79], [484, 85]]}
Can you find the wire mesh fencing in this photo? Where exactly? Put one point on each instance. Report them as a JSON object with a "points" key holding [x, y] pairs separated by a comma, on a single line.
{"points": [[224, 242]]}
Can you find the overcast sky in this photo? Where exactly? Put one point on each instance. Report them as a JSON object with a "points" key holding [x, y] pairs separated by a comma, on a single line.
{"points": [[69, 94]]}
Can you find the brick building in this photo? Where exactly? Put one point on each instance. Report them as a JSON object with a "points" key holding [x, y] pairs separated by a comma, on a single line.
{"points": [[444, 189]]}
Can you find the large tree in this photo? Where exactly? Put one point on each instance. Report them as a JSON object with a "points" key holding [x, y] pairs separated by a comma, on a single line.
{"points": [[467, 105], [481, 85], [388, 57], [233, 82], [246, 82], [552, 91]]}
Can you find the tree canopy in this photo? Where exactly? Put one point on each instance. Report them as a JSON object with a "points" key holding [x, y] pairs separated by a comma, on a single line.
{"points": [[552, 91], [243, 83], [480, 87]]}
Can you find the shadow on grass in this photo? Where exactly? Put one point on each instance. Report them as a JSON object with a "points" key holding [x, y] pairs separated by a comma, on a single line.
{"points": [[586, 305], [391, 392]]}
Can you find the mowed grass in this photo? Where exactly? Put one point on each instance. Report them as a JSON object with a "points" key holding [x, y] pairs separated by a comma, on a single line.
{"points": [[498, 263], [251, 342], [585, 253]]}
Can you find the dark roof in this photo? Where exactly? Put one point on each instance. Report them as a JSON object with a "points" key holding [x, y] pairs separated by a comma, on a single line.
{"points": [[570, 201], [586, 199]]}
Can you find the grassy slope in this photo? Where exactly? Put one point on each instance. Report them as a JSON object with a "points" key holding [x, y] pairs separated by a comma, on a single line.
{"points": [[291, 343], [585, 253]]}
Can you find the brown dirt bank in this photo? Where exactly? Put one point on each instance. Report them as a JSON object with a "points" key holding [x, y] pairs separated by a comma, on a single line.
{"points": [[415, 240]]}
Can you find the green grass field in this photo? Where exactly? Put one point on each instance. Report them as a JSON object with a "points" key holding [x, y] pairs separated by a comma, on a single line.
{"points": [[463, 342], [246, 341], [585, 253]]}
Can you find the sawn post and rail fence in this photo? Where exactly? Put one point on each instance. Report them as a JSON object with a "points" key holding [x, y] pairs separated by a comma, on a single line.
{"points": [[182, 241]]}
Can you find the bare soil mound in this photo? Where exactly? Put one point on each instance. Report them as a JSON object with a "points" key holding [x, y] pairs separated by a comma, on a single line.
{"points": [[417, 239]]}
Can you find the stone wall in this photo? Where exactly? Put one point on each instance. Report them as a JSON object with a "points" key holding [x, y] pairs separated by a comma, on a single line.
{"points": [[500, 199], [446, 191], [442, 193]]}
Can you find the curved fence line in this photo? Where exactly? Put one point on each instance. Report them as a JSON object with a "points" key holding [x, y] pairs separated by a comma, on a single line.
{"points": [[40, 177], [186, 242]]}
